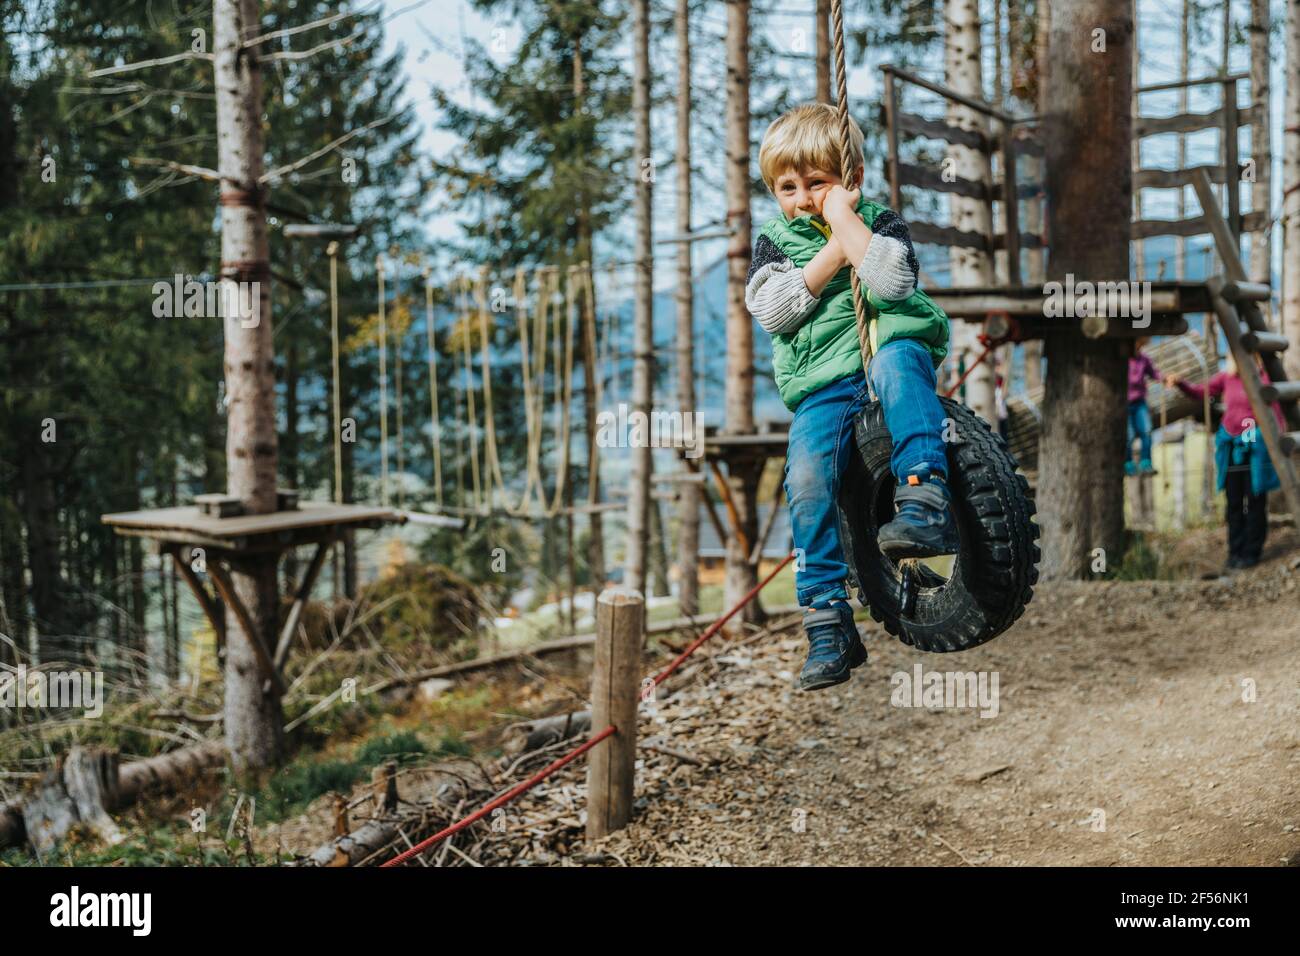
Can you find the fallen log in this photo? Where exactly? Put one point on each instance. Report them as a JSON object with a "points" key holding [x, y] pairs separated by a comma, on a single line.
{"points": [[78, 791], [89, 783]]}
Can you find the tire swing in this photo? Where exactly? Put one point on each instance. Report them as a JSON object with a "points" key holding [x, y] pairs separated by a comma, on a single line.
{"points": [[993, 573]]}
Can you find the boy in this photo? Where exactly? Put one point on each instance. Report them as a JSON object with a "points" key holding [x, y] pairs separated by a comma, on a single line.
{"points": [[799, 290]]}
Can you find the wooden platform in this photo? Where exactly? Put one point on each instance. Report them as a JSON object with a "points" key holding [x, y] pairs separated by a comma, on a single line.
{"points": [[1170, 302], [311, 521]]}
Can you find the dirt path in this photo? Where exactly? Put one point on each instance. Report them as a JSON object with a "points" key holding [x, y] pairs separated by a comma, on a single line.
{"points": [[1120, 705]]}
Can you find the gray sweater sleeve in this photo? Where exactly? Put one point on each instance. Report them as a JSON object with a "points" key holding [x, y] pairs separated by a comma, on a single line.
{"points": [[889, 269], [778, 297]]}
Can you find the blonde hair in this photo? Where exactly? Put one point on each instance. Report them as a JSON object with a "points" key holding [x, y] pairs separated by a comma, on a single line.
{"points": [[806, 137]]}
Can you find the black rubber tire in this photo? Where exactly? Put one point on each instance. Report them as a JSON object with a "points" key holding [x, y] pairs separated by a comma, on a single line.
{"points": [[993, 576]]}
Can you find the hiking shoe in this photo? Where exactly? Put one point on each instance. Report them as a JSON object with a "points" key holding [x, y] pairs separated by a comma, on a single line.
{"points": [[1145, 467], [834, 647], [1130, 468], [923, 525]]}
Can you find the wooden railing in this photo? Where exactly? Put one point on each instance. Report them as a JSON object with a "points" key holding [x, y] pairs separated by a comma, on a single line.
{"points": [[1009, 138], [1013, 136], [1228, 118]]}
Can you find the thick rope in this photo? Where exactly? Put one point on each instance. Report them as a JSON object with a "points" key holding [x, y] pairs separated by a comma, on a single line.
{"points": [[333, 251], [383, 387], [466, 328], [432, 359], [397, 379], [847, 169], [491, 460]]}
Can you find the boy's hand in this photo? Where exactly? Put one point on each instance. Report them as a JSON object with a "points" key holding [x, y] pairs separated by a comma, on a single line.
{"points": [[840, 203]]}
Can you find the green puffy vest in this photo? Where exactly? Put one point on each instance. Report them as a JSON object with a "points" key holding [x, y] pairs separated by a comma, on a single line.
{"points": [[825, 347]]}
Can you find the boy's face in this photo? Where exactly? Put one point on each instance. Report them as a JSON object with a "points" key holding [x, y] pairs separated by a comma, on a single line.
{"points": [[801, 192]]}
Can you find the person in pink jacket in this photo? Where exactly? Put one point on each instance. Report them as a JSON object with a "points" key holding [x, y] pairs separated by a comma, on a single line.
{"points": [[1241, 461]]}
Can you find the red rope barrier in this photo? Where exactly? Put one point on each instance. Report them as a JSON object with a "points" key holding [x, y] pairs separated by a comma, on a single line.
{"points": [[578, 751]]}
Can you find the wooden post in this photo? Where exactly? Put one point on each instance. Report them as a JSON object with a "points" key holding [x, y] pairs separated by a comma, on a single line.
{"points": [[615, 682], [1231, 162], [891, 133], [1179, 468]]}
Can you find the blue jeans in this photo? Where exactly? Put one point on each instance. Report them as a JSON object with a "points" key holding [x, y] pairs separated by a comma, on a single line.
{"points": [[1139, 426], [821, 439]]}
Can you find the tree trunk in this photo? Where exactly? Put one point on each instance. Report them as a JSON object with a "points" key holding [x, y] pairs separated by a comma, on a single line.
{"points": [[1035, 221], [252, 718], [590, 367], [1291, 192], [13, 601], [657, 558], [824, 52], [41, 519], [741, 576], [969, 267], [638, 499], [1087, 130], [289, 449], [688, 496]]}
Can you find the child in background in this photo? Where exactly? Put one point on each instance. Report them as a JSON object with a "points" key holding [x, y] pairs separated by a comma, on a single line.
{"points": [[1245, 472], [799, 290], [1140, 371]]}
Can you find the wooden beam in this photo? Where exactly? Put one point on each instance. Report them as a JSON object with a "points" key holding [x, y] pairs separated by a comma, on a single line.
{"points": [[891, 135], [1173, 178], [938, 129], [1197, 226], [200, 592], [733, 515], [947, 236], [299, 601], [1186, 122], [924, 177], [227, 591], [756, 555], [969, 101]]}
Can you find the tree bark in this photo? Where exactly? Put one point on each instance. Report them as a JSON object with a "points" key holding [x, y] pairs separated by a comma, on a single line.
{"points": [[969, 267], [1087, 129], [638, 504], [824, 52], [741, 576], [590, 368], [1261, 139], [40, 517], [688, 497], [1291, 192], [252, 719], [1035, 221]]}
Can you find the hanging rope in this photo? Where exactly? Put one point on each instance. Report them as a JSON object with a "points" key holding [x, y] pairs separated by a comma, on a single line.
{"points": [[332, 250], [432, 359], [847, 169], [491, 461], [400, 331], [383, 387], [471, 414]]}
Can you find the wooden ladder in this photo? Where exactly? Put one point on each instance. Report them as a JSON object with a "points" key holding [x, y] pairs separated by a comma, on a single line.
{"points": [[1236, 305]]}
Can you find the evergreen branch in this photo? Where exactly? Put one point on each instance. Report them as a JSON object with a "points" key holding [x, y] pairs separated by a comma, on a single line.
{"points": [[327, 148], [201, 172], [160, 61]]}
